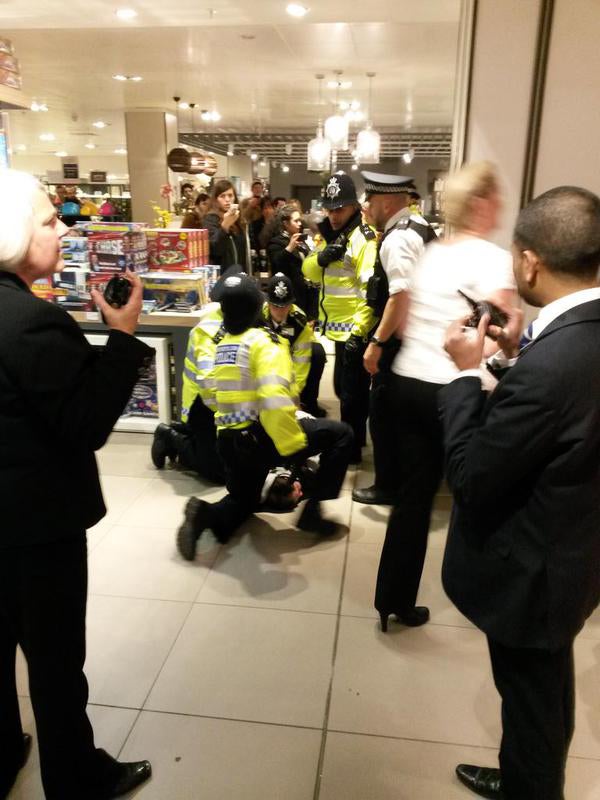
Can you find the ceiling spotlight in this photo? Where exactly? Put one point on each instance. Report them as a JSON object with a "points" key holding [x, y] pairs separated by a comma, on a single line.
{"points": [[47, 137], [408, 156], [354, 167], [230, 151], [120, 77], [253, 156], [38, 106], [289, 149], [285, 168], [210, 116], [99, 124], [296, 10], [262, 163], [126, 13], [135, 78], [120, 151], [90, 146], [184, 106], [61, 153]]}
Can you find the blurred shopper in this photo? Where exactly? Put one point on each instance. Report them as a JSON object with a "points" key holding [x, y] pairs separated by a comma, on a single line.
{"points": [[286, 250], [256, 229], [308, 356], [250, 206], [228, 235], [523, 550], [59, 400], [342, 266], [279, 203], [403, 239], [193, 218], [187, 196], [465, 261]]}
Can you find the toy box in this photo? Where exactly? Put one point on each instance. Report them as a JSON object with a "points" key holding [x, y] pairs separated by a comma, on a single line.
{"points": [[72, 289], [177, 250], [117, 251], [175, 292], [42, 288], [75, 250]]}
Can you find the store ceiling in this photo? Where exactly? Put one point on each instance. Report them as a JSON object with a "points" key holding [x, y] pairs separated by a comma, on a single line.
{"points": [[250, 60]]}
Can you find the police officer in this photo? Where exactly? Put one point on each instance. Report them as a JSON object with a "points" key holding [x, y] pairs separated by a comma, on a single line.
{"points": [[342, 265], [193, 441], [256, 423], [308, 356], [403, 239]]}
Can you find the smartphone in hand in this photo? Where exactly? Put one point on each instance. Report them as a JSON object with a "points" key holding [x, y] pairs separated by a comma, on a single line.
{"points": [[481, 307]]}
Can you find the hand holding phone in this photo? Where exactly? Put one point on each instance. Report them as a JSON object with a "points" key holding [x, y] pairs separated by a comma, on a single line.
{"points": [[480, 307]]}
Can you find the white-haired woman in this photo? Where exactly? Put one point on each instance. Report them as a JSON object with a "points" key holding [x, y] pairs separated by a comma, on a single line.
{"points": [[58, 402], [465, 261]]}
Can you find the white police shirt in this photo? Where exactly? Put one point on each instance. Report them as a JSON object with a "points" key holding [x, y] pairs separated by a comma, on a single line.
{"points": [[400, 251]]}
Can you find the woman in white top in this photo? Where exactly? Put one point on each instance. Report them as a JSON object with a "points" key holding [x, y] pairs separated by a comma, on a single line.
{"points": [[466, 260]]}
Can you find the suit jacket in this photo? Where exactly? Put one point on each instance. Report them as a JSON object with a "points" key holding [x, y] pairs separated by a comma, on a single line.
{"points": [[59, 400], [522, 559]]}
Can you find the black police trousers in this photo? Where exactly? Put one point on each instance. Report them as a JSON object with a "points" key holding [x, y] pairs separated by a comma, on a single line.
{"points": [[381, 412], [249, 454], [309, 396], [351, 383], [197, 444]]}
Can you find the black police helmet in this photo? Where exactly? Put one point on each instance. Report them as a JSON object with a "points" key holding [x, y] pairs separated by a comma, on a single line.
{"points": [[215, 292], [280, 291], [340, 191], [241, 301]]}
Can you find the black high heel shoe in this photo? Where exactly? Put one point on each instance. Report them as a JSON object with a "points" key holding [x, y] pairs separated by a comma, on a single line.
{"points": [[411, 617]]}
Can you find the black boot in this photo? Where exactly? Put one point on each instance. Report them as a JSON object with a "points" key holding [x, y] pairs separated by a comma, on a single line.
{"points": [[197, 519], [130, 774], [371, 495], [311, 520], [163, 446], [484, 781]]}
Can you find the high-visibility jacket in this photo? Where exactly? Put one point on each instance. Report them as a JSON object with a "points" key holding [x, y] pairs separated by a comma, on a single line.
{"points": [[200, 359], [343, 309], [253, 382], [300, 336]]}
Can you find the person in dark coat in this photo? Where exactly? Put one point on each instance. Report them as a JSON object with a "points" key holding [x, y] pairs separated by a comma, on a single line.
{"points": [[193, 216], [522, 559], [59, 400], [228, 234], [286, 250]]}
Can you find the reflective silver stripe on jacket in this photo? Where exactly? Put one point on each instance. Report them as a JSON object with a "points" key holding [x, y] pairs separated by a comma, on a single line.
{"points": [[243, 385], [344, 291], [273, 380], [270, 403]]}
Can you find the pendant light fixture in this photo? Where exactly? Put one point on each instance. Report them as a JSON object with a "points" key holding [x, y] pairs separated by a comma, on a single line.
{"points": [[319, 149], [336, 126], [368, 141]]}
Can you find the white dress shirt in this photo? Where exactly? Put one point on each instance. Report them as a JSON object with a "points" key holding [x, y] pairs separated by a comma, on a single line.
{"points": [[400, 251]]}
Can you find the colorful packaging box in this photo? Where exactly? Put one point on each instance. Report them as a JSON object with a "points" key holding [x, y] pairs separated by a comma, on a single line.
{"points": [[72, 289], [75, 250], [118, 251], [177, 250], [175, 292], [144, 398], [43, 289]]}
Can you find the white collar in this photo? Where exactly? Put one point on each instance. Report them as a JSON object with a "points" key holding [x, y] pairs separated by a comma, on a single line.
{"points": [[402, 214], [553, 310]]}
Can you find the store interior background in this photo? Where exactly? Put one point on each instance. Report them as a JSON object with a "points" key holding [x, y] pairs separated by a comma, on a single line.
{"points": [[250, 61]]}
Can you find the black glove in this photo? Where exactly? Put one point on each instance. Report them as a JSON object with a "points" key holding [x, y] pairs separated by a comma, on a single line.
{"points": [[354, 345], [333, 252]]}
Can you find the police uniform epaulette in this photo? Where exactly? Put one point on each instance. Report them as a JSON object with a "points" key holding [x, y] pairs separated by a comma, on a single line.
{"points": [[219, 334], [273, 335], [367, 231], [298, 316]]}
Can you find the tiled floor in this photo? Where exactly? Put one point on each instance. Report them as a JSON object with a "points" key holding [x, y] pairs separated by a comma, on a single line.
{"points": [[259, 672]]}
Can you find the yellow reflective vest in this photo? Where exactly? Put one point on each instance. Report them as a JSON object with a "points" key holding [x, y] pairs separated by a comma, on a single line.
{"points": [[343, 308], [252, 381], [300, 337], [200, 359]]}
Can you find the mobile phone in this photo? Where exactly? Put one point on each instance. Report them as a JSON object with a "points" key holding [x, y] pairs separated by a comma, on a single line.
{"points": [[481, 307], [234, 207], [117, 291]]}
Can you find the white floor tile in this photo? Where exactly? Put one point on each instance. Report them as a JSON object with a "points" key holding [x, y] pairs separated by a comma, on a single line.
{"points": [[249, 664], [162, 503], [143, 562], [277, 569], [128, 642], [196, 758], [430, 683], [359, 767]]}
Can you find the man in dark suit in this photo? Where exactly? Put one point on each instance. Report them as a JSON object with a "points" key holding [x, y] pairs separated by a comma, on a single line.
{"points": [[522, 560], [59, 400]]}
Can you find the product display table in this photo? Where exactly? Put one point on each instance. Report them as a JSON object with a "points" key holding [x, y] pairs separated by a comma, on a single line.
{"points": [[175, 327]]}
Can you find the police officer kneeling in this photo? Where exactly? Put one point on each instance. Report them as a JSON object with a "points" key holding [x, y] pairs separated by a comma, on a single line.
{"points": [[308, 356], [257, 428]]}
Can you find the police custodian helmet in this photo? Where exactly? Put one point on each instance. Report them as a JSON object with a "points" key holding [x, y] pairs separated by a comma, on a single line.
{"points": [[241, 301], [280, 291], [340, 191]]}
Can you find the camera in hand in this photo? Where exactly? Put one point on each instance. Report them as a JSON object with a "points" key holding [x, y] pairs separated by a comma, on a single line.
{"points": [[117, 291], [481, 307]]}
